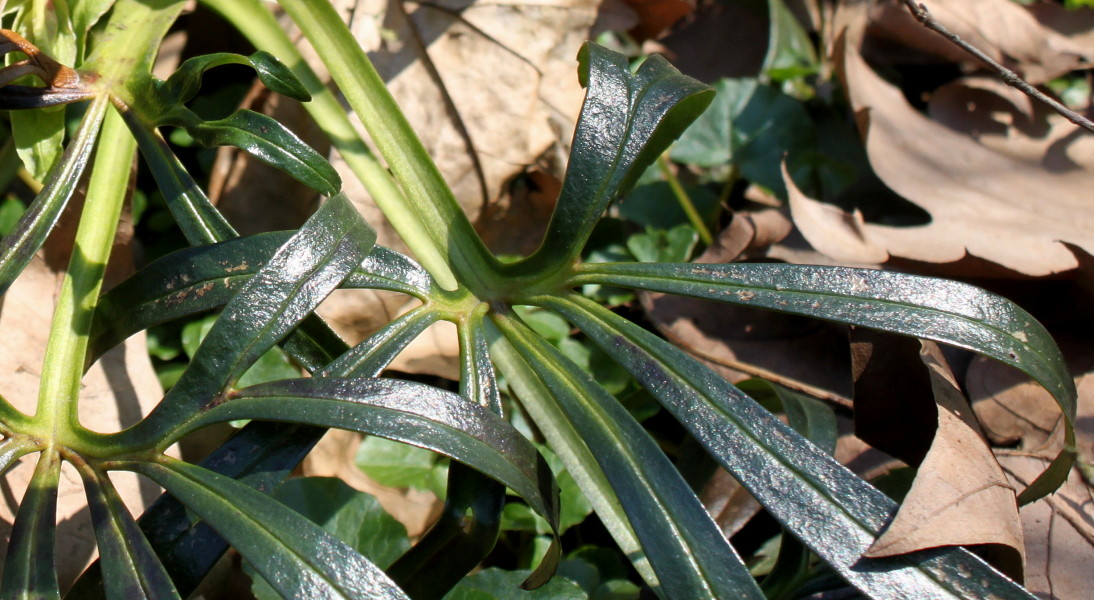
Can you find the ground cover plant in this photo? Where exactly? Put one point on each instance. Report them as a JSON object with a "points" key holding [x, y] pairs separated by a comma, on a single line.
{"points": [[266, 288]]}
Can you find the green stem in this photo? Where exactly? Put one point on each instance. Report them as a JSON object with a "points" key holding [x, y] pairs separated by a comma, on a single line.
{"points": [[442, 223], [63, 367], [684, 200], [262, 29]]}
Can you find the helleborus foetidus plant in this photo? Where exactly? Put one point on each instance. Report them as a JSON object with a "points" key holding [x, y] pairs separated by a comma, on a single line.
{"points": [[267, 286]]}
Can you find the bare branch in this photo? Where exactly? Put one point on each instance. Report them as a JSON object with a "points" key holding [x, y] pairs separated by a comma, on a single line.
{"points": [[919, 11]]}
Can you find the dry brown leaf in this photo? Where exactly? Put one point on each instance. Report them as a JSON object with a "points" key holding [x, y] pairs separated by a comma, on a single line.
{"points": [[117, 391], [1004, 30], [489, 87], [1059, 529], [831, 230], [527, 210], [961, 496], [1014, 409], [1059, 532], [986, 203], [728, 502], [1010, 407], [1076, 25]]}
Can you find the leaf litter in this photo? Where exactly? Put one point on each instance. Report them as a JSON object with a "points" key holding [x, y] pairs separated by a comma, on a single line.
{"points": [[961, 495]]}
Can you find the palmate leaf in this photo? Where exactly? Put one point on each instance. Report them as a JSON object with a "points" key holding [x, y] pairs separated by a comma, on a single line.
{"points": [[567, 443], [295, 556], [686, 549], [313, 344], [832, 510], [425, 417], [260, 456], [944, 311], [468, 526]]}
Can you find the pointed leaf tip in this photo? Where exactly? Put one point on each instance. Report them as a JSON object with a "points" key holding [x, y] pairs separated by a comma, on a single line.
{"points": [[275, 75]]}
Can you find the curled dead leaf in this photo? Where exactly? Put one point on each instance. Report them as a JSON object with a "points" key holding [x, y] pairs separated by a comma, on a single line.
{"points": [[1004, 208], [1059, 531], [961, 496], [1018, 413]]}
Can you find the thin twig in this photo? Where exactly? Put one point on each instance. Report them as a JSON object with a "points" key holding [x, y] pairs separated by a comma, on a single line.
{"points": [[919, 11]]}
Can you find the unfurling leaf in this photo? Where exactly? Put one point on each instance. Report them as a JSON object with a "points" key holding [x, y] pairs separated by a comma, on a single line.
{"points": [[272, 143]]}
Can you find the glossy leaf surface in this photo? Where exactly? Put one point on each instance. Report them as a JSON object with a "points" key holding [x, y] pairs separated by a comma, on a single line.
{"points": [[269, 141], [132, 570], [413, 413], [832, 510], [687, 550], [194, 280], [626, 122], [261, 456], [567, 442], [295, 556], [297, 277], [936, 309], [184, 83]]}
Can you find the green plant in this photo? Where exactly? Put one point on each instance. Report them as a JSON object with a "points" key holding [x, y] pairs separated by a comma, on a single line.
{"points": [[266, 287]]}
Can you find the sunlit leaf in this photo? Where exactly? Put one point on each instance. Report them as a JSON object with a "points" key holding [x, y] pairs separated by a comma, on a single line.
{"points": [[828, 507], [940, 310], [354, 517], [184, 83], [272, 143], [626, 122], [686, 549], [413, 413], [297, 277]]}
